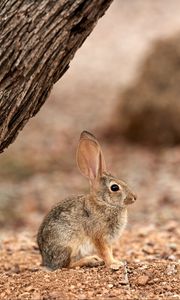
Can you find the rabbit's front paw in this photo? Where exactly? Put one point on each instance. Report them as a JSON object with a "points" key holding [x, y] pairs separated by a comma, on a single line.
{"points": [[115, 265]]}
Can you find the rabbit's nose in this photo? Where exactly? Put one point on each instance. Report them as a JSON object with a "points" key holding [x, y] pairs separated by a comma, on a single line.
{"points": [[135, 197], [130, 199]]}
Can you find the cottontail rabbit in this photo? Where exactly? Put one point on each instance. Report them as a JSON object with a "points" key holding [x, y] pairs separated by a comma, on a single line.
{"points": [[81, 226]]}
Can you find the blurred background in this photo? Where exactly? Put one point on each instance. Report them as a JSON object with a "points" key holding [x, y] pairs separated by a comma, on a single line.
{"points": [[124, 86]]}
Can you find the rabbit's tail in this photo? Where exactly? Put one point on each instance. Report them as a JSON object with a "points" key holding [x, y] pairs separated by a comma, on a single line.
{"points": [[56, 257]]}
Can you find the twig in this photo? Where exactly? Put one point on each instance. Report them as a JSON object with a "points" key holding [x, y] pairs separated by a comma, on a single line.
{"points": [[125, 281]]}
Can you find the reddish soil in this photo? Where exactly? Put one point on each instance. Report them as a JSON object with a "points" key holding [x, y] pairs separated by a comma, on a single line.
{"points": [[151, 269]]}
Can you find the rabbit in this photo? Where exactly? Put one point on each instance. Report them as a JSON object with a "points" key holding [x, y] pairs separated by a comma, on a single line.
{"points": [[79, 231]]}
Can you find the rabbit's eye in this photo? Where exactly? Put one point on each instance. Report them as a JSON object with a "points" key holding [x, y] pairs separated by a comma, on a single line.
{"points": [[114, 187]]}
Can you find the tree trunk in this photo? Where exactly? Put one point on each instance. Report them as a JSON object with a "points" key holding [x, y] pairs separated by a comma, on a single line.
{"points": [[37, 41]]}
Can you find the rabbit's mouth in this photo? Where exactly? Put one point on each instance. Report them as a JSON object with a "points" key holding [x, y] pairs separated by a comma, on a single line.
{"points": [[130, 200]]}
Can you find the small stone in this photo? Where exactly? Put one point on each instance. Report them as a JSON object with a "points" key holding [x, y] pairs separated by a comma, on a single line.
{"points": [[172, 257], [143, 279], [148, 250], [79, 284], [171, 269], [37, 296], [164, 255], [173, 246], [34, 269], [145, 231], [90, 294], [56, 295], [29, 289], [175, 297], [171, 226], [82, 296], [72, 287], [124, 282], [168, 287], [150, 243], [151, 295], [137, 260], [144, 267], [3, 294], [25, 294], [110, 285], [6, 267], [16, 269]]}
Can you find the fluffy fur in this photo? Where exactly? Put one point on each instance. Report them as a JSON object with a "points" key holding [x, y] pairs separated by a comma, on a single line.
{"points": [[80, 230]]}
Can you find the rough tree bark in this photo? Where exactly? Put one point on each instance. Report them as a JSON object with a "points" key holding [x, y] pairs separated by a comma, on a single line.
{"points": [[37, 41]]}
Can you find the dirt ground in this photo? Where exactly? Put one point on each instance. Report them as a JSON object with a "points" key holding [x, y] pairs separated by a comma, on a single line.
{"points": [[150, 271], [39, 169]]}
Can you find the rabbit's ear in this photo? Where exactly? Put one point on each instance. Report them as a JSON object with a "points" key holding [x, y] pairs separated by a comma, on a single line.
{"points": [[102, 164], [90, 159]]}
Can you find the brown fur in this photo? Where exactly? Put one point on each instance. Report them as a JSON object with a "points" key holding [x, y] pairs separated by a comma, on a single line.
{"points": [[79, 227]]}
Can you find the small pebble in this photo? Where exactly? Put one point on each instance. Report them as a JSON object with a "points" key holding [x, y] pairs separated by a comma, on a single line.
{"points": [[29, 288], [72, 287], [171, 269], [173, 246], [171, 226], [168, 287], [148, 250], [143, 279], [175, 297], [16, 269], [172, 257], [37, 296], [82, 297]]}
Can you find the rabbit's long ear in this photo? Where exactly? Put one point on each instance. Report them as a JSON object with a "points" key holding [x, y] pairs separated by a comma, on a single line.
{"points": [[90, 158]]}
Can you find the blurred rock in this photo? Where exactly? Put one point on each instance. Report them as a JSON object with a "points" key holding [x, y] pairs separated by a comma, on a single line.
{"points": [[171, 226], [173, 246], [148, 112], [171, 269], [142, 280]]}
